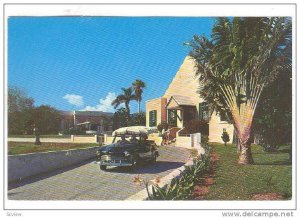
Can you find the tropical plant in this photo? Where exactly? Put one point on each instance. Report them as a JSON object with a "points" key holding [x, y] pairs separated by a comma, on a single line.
{"points": [[273, 119], [120, 118], [225, 137], [137, 119], [180, 188], [125, 98], [243, 56], [138, 86]]}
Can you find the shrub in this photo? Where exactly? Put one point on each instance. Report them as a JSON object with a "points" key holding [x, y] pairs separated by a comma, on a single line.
{"points": [[195, 126], [137, 119], [164, 125], [181, 188], [225, 137]]}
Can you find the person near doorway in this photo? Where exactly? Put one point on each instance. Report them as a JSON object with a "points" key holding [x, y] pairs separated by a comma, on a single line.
{"points": [[165, 136]]}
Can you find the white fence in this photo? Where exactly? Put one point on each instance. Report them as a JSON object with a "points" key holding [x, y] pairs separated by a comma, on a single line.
{"points": [[190, 141]]}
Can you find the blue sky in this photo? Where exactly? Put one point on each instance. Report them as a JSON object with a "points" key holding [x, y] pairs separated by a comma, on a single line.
{"points": [[77, 63]]}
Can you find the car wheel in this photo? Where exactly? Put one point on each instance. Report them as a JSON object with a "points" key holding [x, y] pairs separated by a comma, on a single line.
{"points": [[154, 158], [135, 161], [103, 167]]}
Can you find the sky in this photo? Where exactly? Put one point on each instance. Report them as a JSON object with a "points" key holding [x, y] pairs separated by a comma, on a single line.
{"points": [[81, 63]]}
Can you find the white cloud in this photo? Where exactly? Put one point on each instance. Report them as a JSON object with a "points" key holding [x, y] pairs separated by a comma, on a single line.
{"points": [[104, 104], [76, 100]]}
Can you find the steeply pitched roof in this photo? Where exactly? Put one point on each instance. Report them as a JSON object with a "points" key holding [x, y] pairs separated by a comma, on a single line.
{"points": [[185, 82], [180, 100]]}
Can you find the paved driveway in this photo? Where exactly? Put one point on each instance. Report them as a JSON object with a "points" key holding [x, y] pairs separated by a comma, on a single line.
{"points": [[87, 182]]}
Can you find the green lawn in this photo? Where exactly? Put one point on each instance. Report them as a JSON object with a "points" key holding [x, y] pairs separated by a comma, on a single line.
{"points": [[15, 148], [271, 173], [41, 136]]}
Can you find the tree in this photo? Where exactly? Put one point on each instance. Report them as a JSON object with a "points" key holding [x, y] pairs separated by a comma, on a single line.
{"points": [[125, 98], [138, 86], [47, 119], [18, 100], [19, 111], [137, 119], [120, 118], [243, 56], [225, 137], [273, 118]]}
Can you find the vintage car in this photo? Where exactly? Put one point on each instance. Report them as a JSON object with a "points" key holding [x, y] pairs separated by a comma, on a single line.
{"points": [[131, 149]]}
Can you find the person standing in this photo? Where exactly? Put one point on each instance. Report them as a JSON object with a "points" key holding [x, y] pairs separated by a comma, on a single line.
{"points": [[163, 137]]}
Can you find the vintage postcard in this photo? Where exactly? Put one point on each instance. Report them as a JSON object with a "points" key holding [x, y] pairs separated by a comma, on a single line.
{"points": [[150, 106]]}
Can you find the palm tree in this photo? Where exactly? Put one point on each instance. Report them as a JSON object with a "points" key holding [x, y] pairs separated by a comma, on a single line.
{"points": [[243, 56], [125, 98], [138, 86]]}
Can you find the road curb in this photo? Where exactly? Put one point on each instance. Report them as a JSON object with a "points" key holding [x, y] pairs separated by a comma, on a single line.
{"points": [[143, 195]]}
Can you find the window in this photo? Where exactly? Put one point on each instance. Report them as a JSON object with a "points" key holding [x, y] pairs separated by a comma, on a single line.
{"points": [[203, 111], [152, 118], [172, 117], [223, 116]]}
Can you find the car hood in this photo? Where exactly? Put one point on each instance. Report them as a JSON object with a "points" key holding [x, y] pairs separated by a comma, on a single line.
{"points": [[115, 148]]}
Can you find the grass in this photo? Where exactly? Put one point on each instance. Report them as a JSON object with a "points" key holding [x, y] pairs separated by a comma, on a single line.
{"points": [[15, 148], [271, 173], [41, 136]]}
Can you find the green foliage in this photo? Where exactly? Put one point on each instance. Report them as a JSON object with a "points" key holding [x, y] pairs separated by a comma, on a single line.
{"points": [[137, 119], [47, 119], [195, 126], [273, 118], [138, 86], [225, 137], [244, 54], [163, 125], [125, 98], [15, 148], [22, 115], [18, 100], [204, 140], [239, 48], [120, 119], [272, 173], [181, 188], [20, 106]]}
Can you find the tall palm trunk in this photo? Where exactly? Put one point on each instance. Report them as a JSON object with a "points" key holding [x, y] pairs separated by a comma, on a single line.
{"points": [[128, 111], [139, 106], [245, 148], [242, 114]]}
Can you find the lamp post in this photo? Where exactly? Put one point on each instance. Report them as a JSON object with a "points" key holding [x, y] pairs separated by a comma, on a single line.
{"points": [[37, 136]]}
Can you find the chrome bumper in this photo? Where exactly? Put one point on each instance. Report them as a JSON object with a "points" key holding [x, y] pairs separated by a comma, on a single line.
{"points": [[121, 164], [109, 161]]}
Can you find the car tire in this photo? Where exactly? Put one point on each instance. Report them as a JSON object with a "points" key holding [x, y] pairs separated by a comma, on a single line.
{"points": [[103, 167], [154, 158], [135, 161]]}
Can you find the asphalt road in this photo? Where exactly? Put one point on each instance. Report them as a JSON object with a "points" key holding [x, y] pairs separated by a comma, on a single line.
{"points": [[88, 182]]}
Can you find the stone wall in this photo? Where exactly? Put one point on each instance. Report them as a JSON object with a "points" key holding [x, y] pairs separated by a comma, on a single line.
{"points": [[183, 141], [84, 139], [27, 165]]}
